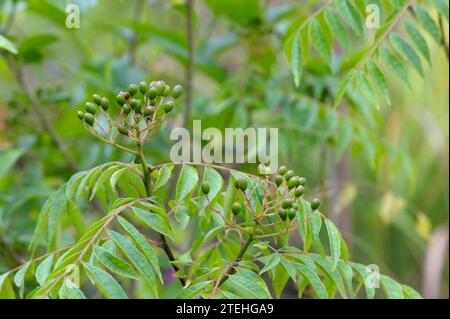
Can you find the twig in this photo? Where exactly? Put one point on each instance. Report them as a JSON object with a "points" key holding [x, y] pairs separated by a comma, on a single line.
{"points": [[190, 62]]}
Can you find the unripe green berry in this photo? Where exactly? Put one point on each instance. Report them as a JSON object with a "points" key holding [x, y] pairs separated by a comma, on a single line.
{"points": [[91, 108], [104, 103], [168, 106], [206, 187], [149, 110], [132, 89], [315, 204], [243, 184], [126, 109], [286, 204], [136, 105], [177, 91], [143, 87], [152, 93], [123, 130], [283, 214], [292, 183], [166, 90], [292, 213], [97, 99], [120, 98], [302, 181], [236, 208], [279, 180], [299, 191], [289, 174], [89, 118], [80, 115], [282, 170], [160, 87]]}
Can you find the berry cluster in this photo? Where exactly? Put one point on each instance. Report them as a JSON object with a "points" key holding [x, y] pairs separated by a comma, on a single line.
{"points": [[142, 107], [290, 187], [295, 189]]}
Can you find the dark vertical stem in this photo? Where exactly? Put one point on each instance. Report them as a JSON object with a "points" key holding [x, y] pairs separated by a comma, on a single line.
{"points": [[190, 62], [443, 40], [165, 245], [241, 254]]}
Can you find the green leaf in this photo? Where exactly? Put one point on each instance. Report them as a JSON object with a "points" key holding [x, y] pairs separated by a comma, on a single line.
{"points": [[410, 293], [428, 24], [419, 40], [351, 16], [186, 183], [182, 216], [342, 89], [391, 288], [215, 181], [100, 181], [365, 88], [7, 45], [394, 64], [337, 28], [333, 274], [153, 221], [279, 280], [136, 258], [364, 272], [406, 51], [334, 241], [305, 229], [114, 263], [320, 41], [19, 278], [6, 290], [194, 290], [105, 283], [143, 244], [248, 285], [271, 262], [43, 269], [294, 55], [116, 176], [377, 75], [313, 280], [316, 225], [162, 177], [70, 292], [8, 159]]}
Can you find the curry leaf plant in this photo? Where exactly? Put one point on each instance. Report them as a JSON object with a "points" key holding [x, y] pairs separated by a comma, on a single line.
{"points": [[221, 233]]}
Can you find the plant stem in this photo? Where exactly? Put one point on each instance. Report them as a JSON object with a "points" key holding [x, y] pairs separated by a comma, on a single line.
{"points": [[165, 245], [190, 62], [241, 254]]}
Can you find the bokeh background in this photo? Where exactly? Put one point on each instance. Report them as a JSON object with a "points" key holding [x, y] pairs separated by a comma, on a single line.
{"points": [[386, 184]]}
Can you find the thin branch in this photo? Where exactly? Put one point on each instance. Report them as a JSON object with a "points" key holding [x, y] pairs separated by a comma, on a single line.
{"points": [[190, 62], [443, 38]]}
